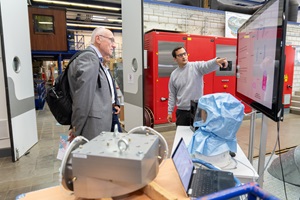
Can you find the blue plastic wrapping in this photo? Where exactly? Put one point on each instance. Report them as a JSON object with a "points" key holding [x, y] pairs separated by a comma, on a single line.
{"points": [[217, 134]]}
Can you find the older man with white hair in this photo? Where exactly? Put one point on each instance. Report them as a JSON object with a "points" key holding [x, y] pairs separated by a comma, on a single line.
{"points": [[90, 89]]}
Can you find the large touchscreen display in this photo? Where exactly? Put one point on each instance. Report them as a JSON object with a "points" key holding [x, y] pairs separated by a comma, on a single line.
{"points": [[260, 59]]}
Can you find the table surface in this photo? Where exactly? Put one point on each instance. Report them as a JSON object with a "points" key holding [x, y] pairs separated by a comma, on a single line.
{"points": [[166, 185], [244, 170]]}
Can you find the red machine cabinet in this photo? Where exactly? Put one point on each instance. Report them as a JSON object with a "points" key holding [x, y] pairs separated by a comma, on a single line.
{"points": [[288, 75], [159, 46]]}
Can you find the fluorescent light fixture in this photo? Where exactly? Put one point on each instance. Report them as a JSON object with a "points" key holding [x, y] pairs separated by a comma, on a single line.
{"points": [[78, 5], [92, 26], [107, 20], [45, 22], [102, 18], [98, 18], [115, 20]]}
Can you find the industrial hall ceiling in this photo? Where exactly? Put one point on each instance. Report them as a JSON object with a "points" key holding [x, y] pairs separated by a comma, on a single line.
{"points": [[88, 14]]}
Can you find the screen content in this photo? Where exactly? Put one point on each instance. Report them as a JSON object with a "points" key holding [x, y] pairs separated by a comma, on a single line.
{"points": [[183, 163], [257, 56]]}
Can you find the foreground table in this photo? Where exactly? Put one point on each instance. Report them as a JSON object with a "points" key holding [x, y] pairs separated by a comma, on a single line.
{"points": [[166, 185]]}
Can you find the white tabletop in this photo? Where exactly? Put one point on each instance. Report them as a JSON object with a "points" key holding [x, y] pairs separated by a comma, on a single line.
{"points": [[244, 170]]}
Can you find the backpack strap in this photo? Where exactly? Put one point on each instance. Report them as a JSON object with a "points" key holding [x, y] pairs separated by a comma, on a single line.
{"points": [[76, 55]]}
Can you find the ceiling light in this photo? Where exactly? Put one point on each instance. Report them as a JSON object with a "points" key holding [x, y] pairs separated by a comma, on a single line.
{"points": [[79, 5], [93, 26], [98, 18], [45, 22], [115, 20], [106, 19]]}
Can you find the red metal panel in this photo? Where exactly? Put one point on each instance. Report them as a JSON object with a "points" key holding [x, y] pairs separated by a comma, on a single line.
{"points": [[202, 48], [150, 46], [288, 74], [161, 102], [224, 84], [226, 41], [227, 83]]}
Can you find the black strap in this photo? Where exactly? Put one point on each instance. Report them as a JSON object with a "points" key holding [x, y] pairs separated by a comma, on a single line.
{"points": [[99, 82], [76, 55]]}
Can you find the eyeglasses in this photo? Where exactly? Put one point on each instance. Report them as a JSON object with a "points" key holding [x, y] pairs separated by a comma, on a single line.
{"points": [[181, 55], [111, 39]]}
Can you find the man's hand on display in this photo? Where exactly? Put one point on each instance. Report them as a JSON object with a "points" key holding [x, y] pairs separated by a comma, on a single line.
{"points": [[169, 118], [222, 62]]}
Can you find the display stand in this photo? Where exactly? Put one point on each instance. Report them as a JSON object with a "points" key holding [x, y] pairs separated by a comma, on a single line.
{"points": [[251, 136], [262, 149]]}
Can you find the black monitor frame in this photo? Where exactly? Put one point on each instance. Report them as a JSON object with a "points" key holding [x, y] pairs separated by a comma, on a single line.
{"points": [[273, 108]]}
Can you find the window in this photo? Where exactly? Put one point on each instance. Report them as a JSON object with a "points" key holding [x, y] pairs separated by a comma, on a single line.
{"points": [[43, 24]]}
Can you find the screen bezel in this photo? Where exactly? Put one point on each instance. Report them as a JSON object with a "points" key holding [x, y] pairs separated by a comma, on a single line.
{"points": [[276, 111]]}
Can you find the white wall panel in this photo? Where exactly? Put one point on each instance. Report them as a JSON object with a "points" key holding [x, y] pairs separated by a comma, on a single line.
{"points": [[16, 48], [133, 51]]}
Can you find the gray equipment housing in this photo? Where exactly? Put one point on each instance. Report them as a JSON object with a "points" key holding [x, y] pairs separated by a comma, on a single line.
{"points": [[112, 165]]}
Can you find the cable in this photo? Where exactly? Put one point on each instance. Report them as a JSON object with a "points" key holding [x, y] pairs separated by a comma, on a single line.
{"points": [[253, 177], [250, 113], [278, 139], [77, 140], [272, 153], [230, 168], [204, 163]]}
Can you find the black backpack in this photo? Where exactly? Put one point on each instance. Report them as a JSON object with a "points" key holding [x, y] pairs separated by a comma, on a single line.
{"points": [[58, 96]]}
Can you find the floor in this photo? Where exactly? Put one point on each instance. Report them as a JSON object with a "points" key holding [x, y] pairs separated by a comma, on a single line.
{"points": [[39, 168]]}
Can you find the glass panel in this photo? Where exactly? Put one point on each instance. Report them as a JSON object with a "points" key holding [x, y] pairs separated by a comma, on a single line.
{"points": [[43, 24], [229, 52], [166, 63]]}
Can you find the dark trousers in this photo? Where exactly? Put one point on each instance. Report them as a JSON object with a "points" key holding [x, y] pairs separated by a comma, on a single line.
{"points": [[183, 117], [115, 120]]}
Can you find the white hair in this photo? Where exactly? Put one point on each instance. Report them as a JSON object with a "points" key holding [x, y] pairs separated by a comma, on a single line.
{"points": [[97, 31]]}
